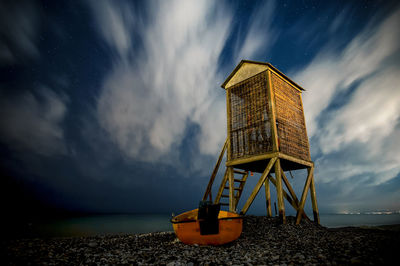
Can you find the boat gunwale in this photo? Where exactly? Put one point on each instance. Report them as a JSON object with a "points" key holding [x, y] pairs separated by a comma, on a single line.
{"points": [[200, 220]]}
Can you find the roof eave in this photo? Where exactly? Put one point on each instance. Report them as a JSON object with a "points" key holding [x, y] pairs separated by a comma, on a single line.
{"points": [[260, 63]]}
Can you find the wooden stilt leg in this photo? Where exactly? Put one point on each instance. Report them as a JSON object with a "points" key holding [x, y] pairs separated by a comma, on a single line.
{"points": [[291, 201], [231, 190], [314, 201], [268, 198], [304, 194], [259, 185], [279, 192]]}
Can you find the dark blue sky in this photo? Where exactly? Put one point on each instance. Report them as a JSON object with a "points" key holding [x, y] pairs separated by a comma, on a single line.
{"points": [[116, 106]]}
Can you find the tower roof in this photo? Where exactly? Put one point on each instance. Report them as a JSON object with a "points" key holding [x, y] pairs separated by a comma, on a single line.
{"points": [[247, 68]]}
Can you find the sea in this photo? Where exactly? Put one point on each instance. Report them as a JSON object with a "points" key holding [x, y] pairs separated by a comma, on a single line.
{"points": [[148, 223]]}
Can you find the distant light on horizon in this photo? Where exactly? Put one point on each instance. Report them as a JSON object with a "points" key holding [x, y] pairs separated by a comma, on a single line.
{"points": [[383, 212]]}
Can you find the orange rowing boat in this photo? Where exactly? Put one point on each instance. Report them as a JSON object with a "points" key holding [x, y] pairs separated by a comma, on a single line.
{"points": [[191, 228]]}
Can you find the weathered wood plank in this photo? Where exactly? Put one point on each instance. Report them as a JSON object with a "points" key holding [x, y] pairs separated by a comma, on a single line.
{"points": [[258, 186], [289, 187], [314, 201], [236, 171], [272, 110], [279, 192], [245, 71], [221, 187], [268, 197], [215, 171], [236, 188], [304, 194], [288, 198], [229, 124], [285, 194], [231, 190], [294, 159], [252, 159]]}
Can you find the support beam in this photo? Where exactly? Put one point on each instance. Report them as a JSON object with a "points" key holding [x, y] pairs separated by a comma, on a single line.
{"points": [[214, 173], [304, 194], [268, 198], [231, 190], [221, 187], [289, 187], [295, 160], [279, 192], [252, 159], [258, 186], [271, 105], [285, 195], [229, 124], [314, 201], [288, 198]]}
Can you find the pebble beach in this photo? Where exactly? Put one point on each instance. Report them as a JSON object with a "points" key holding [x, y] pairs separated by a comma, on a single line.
{"points": [[263, 242]]}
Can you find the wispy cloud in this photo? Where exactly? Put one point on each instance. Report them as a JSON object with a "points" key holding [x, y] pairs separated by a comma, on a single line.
{"points": [[153, 93], [352, 106], [120, 20], [332, 71], [32, 123], [150, 95], [19, 21], [259, 37]]}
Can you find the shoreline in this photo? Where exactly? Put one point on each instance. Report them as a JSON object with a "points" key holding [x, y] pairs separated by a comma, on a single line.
{"points": [[263, 241]]}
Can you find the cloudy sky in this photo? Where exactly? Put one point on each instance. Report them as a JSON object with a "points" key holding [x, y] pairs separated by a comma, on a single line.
{"points": [[116, 106]]}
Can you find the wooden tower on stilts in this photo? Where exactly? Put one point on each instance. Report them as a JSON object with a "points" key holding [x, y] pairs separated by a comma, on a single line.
{"points": [[266, 134]]}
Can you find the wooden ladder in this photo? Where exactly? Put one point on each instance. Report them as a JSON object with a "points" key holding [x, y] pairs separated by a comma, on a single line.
{"points": [[237, 183], [237, 189]]}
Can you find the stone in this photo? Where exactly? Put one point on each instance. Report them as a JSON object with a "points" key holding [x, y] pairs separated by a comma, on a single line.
{"points": [[355, 260], [92, 244], [262, 242]]}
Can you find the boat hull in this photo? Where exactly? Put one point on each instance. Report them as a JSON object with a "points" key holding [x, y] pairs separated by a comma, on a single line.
{"points": [[187, 228]]}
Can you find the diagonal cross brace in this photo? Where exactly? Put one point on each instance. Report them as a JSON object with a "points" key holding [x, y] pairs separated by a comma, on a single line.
{"points": [[259, 185], [214, 173], [293, 202], [290, 189], [302, 202]]}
